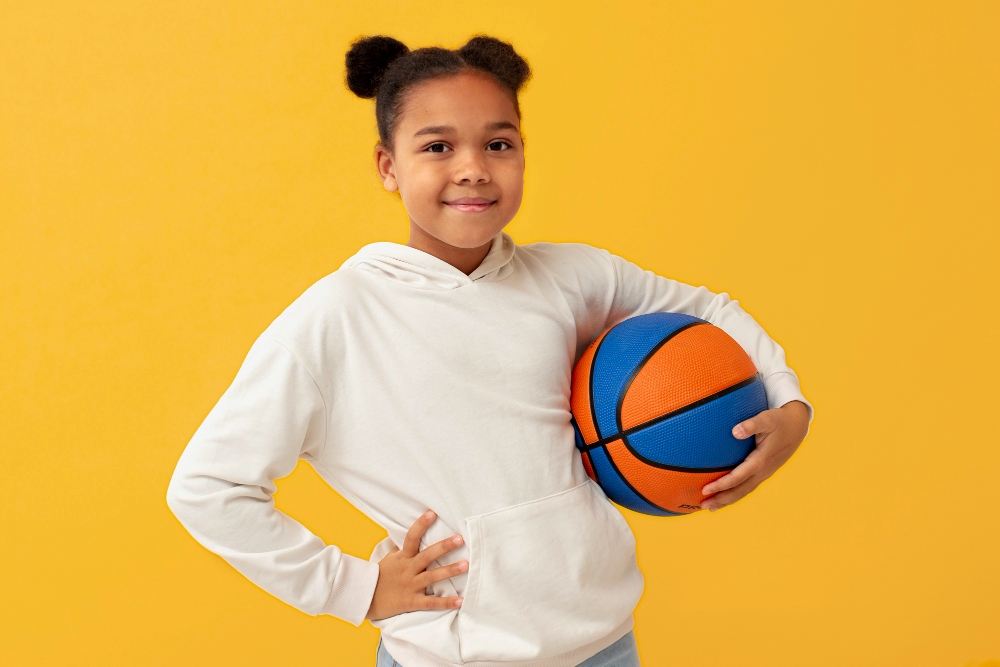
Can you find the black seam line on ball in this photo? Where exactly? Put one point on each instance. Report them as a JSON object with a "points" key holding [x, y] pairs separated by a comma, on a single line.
{"points": [[690, 406], [641, 364], [624, 480], [664, 466], [593, 467], [590, 382]]}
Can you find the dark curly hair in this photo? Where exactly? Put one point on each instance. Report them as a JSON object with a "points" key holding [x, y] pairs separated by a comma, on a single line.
{"points": [[384, 68]]}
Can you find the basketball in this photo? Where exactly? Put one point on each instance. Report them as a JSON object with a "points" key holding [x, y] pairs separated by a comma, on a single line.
{"points": [[654, 402]]}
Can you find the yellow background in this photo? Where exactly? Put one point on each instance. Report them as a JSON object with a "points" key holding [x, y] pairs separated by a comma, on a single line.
{"points": [[173, 174]]}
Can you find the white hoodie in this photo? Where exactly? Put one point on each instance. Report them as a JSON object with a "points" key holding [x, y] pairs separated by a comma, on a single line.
{"points": [[409, 386]]}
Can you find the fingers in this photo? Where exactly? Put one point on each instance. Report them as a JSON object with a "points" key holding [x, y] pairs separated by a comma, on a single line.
{"points": [[730, 496], [437, 574], [436, 550], [763, 422], [734, 477], [427, 602], [774, 446], [411, 544]]}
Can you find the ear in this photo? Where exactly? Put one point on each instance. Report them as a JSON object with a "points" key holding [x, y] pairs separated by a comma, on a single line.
{"points": [[386, 168]]}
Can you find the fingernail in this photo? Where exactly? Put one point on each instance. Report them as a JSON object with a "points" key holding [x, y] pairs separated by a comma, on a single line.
{"points": [[428, 514], [463, 566], [459, 601], [458, 539], [738, 431]]}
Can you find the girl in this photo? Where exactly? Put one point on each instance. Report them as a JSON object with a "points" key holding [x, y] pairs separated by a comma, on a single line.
{"points": [[429, 385]]}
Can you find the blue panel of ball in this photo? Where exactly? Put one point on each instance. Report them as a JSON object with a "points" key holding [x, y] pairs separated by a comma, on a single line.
{"points": [[624, 346], [702, 437]]}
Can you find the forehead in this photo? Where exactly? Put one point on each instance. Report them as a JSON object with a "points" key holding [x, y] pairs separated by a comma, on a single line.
{"points": [[469, 100]]}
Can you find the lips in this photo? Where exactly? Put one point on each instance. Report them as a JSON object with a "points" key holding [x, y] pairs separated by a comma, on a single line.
{"points": [[471, 204]]}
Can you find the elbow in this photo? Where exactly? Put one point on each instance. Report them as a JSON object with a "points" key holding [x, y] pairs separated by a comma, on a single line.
{"points": [[176, 501], [172, 501], [199, 501], [173, 498]]}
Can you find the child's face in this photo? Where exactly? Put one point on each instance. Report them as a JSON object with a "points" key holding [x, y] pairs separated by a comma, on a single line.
{"points": [[458, 160]]}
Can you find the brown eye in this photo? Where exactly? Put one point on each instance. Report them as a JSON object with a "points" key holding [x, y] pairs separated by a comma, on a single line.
{"points": [[498, 146], [437, 148]]}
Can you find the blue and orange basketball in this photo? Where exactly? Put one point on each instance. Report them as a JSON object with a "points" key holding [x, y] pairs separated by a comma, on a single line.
{"points": [[654, 400]]}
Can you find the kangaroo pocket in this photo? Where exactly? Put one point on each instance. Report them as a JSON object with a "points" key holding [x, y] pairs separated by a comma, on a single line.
{"points": [[547, 576]]}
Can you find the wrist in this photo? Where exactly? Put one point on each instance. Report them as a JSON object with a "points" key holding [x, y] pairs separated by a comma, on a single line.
{"points": [[796, 407], [797, 415], [371, 604]]}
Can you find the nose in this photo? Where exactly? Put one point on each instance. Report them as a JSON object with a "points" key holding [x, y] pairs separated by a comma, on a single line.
{"points": [[470, 168]]}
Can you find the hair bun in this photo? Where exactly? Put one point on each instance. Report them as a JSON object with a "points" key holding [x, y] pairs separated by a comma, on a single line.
{"points": [[367, 62], [498, 58]]}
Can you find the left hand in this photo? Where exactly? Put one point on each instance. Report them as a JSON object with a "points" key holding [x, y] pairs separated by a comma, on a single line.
{"points": [[779, 432]]}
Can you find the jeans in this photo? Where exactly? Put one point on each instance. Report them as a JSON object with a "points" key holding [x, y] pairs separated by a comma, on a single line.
{"points": [[623, 653]]}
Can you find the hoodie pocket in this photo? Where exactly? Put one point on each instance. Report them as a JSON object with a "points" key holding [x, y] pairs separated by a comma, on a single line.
{"points": [[547, 577]]}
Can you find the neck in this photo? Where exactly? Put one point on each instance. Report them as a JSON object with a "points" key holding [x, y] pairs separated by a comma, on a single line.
{"points": [[464, 259]]}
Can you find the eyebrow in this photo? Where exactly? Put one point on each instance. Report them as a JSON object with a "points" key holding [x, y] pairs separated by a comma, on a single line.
{"points": [[501, 125], [444, 129], [434, 129]]}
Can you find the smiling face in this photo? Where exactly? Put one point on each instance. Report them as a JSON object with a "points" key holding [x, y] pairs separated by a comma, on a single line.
{"points": [[457, 162]]}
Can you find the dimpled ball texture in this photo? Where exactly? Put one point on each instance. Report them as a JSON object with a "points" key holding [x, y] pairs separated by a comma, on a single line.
{"points": [[654, 401]]}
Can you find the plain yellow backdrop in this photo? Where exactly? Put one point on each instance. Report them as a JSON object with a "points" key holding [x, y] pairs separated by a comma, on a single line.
{"points": [[174, 174]]}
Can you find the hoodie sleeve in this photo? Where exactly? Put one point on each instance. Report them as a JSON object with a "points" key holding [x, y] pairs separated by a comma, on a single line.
{"points": [[221, 490], [637, 291]]}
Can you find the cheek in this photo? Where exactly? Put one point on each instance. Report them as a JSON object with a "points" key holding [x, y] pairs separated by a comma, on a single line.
{"points": [[512, 179], [422, 190]]}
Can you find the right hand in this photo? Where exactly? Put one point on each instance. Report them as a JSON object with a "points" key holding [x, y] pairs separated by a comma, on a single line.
{"points": [[403, 574]]}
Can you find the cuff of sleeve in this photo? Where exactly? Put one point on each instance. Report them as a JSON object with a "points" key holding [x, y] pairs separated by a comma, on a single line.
{"points": [[782, 388], [353, 589]]}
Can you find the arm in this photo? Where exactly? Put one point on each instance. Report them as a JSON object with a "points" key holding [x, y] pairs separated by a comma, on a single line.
{"points": [[779, 430], [271, 415], [638, 292]]}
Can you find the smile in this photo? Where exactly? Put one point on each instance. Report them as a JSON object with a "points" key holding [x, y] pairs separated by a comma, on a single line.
{"points": [[471, 204]]}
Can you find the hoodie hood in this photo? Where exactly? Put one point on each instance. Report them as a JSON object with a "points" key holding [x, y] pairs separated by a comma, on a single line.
{"points": [[422, 270]]}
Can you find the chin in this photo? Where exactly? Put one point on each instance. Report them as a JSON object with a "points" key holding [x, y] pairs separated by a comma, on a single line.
{"points": [[469, 243], [468, 238]]}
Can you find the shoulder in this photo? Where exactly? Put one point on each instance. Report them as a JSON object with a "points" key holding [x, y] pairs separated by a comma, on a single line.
{"points": [[312, 325], [325, 298], [584, 274], [566, 258]]}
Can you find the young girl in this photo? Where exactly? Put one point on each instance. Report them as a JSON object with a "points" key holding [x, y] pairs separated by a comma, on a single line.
{"points": [[429, 384]]}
